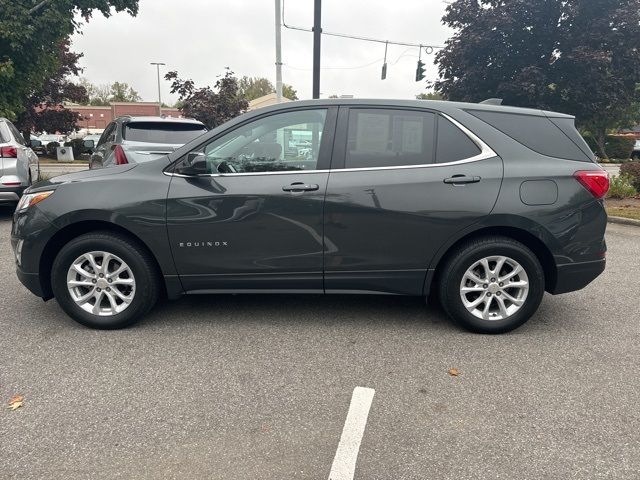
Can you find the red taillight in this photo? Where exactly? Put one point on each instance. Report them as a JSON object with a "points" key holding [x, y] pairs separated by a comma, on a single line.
{"points": [[121, 158], [8, 152], [596, 181]]}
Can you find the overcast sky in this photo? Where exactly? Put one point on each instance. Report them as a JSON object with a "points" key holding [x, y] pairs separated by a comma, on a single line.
{"points": [[199, 38]]}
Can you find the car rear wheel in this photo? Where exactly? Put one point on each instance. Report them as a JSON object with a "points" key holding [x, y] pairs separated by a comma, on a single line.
{"points": [[491, 285], [104, 280]]}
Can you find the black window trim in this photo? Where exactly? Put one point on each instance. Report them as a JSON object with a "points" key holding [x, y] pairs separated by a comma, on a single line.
{"points": [[340, 146], [324, 155]]}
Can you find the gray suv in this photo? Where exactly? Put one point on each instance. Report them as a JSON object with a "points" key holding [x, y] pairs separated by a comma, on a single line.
{"points": [[19, 165], [483, 207], [141, 139]]}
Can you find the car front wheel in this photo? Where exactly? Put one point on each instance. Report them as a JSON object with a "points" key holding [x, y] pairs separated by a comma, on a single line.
{"points": [[491, 285], [104, 280]]}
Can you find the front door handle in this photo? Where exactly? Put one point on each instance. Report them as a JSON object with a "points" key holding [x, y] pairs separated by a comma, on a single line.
{"points": [[461, 179], [300, 187]]}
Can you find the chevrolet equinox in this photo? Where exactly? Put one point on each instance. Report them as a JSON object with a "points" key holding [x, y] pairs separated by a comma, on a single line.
{"points": [[482, 206]]}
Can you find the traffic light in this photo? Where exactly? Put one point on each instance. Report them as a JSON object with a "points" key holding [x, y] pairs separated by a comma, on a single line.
{"points": [[420, 71], [384, 71]]}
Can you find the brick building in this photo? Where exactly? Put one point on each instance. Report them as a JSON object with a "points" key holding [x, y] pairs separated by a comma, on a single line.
{"points": [[97, 118]]}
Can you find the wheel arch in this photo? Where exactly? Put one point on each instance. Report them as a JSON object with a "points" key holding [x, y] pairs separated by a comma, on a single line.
{"points": [[539, 246], [73, 230]]}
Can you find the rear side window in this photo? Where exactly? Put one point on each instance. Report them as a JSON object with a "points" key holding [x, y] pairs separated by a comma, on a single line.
{"points": [[16, 134], [4, 133], [162, 132], [538, 133], [107, 133], [389, 138], [453, 143]]}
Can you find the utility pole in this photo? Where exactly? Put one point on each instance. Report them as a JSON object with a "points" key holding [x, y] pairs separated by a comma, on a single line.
{"points": [[157, 64], [278, 53], [317, 33]]}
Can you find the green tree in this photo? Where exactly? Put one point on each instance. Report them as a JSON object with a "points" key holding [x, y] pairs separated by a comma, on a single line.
{"points": [[430, 96], [122, 92], [574, 56], [255, 87], [97, 95], [45, 111], [289, 92], [103, 95], [212, 106], [30, 34]]}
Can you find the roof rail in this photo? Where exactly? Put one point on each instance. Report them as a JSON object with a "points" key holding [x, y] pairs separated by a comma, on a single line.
{"points": [[492, 101]]}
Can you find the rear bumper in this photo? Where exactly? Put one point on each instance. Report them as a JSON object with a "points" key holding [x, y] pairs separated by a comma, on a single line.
{"points": [[574, 276], [10, 195]]}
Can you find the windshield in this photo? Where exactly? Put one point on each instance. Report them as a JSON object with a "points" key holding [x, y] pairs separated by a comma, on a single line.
{"points": [[163, 132]]}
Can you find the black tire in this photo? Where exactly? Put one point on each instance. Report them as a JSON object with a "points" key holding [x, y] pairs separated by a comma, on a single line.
{"points": [[465, 256], [142, 265]]}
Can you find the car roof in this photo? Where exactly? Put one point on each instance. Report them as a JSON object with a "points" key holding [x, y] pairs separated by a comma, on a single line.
{"points": [[150, 118], [440, 105]]}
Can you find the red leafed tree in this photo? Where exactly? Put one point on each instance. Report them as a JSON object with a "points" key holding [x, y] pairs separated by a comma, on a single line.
{"points": [[45, 111], [212, 106]]}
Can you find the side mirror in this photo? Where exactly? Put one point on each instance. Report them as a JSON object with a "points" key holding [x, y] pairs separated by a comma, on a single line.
{"points": [[35, 143], [195, 164], [88, 144]]}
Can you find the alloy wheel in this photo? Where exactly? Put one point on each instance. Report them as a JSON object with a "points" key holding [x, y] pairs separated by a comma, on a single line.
{"points": [[494, 288], [101, 283]]}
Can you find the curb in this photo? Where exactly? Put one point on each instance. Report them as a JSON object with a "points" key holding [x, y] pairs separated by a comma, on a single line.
{"points": [[63, 165], [624, 221]]}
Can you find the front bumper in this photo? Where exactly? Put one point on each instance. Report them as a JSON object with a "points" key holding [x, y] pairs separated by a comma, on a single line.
{"points": [[31, 281], [574, 276], [31, 231]]}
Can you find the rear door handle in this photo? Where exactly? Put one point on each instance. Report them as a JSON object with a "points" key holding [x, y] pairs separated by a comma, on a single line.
{"points": [[461, 179], [300, 187]]}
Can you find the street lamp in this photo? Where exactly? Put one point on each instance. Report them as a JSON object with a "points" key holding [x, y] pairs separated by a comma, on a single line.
{"points": [[157, 64]]}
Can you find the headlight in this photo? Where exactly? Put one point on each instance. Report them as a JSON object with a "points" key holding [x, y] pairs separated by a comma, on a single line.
{"points": [[30, 199]]}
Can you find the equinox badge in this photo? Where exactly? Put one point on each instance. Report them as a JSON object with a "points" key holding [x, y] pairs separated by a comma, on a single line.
{"points": [[202, 244]]}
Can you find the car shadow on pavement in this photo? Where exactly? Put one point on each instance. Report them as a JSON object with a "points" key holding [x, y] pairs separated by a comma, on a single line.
{"points": [[283, 309], [6, 212]]}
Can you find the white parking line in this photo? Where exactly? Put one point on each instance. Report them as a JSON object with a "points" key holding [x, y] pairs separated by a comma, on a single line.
{"points": [[344, 463]]}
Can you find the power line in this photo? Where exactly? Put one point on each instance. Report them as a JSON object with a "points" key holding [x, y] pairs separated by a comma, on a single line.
{"points": [[404, 54], [428, 48]]}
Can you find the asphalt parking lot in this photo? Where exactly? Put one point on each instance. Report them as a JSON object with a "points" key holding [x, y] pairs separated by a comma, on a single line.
{"points": [[247, 387]]}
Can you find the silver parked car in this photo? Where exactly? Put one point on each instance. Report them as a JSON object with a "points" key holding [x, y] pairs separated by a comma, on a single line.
{"points": [[19, 165], [140, 139]]}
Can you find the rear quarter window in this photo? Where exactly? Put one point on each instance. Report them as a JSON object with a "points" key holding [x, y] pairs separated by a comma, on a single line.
{"points": [[539, 133], [162, 132]]}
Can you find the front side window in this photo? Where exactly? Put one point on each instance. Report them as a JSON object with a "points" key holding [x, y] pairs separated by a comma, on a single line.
{"points": [[288, 141], [389, 138]]}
